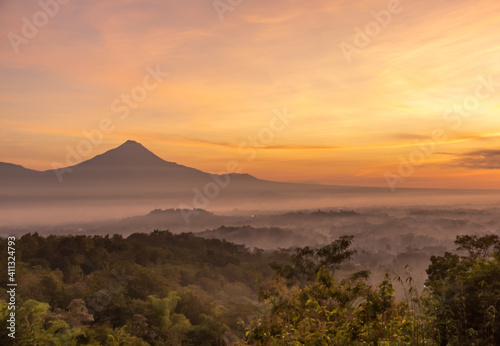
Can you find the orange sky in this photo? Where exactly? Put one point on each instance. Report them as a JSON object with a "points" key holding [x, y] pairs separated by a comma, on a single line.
{"points": [[354, 119]]}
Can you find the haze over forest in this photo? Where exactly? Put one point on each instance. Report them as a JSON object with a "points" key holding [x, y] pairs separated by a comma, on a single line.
{"points": [[131, 180], [129, 189]]}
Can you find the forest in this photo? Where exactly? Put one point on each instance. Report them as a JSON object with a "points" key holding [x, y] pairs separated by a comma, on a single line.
{"points": [[180, 289]]}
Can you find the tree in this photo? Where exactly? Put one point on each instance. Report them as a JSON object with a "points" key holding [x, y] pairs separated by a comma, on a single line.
{"points": [[464, 293], [35, 329], [306, 305], [308, 262], [174, 326]]}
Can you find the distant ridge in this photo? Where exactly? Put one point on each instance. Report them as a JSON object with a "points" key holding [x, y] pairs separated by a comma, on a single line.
{"points": [[127, 170], [10, 169], [130, 176]]}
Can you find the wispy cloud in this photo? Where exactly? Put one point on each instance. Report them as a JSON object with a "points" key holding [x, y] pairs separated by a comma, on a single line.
{"points": [[479, 159], [226, 77]]}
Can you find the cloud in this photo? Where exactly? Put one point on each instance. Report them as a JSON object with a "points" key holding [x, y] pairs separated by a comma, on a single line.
{"points": [[411, 137], [227, 77], [480, 159]]}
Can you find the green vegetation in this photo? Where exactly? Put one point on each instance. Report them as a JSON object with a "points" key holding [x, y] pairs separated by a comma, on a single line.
{"points": [[166, 289], [465, 293], [306, 304], [156, 288]]}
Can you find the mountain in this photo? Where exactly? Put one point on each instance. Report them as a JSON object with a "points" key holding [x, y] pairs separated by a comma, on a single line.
{"points": [[9, 170], [130, 171], [129, 155], [130, 180], [130, 162]]}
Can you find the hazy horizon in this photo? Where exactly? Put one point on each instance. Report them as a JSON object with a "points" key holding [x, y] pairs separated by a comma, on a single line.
{"points": [[99, 154], [131, 180]]}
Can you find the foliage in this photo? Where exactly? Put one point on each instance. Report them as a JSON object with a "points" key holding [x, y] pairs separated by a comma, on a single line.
{"points": [[306, 304], [146, 289], [464, 297], [166, 289]]}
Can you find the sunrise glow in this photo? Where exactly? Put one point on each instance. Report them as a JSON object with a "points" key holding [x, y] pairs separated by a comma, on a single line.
{"points": [[419, 81]]}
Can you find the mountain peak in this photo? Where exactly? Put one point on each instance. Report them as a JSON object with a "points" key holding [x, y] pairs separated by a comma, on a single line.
{"points": [[131, 142], [129, 154], [130, 145]]}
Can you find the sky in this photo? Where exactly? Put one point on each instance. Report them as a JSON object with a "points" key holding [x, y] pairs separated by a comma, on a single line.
{"points": [[399, 93]]}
